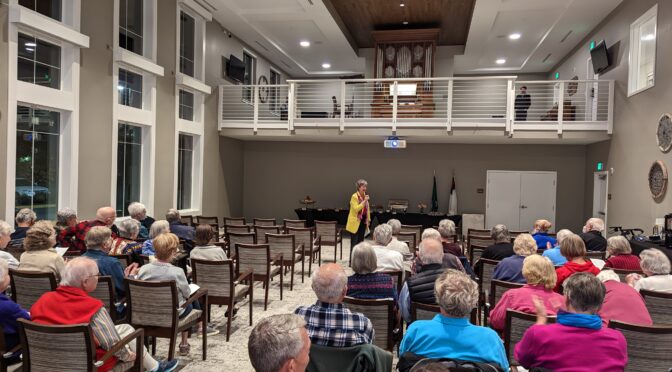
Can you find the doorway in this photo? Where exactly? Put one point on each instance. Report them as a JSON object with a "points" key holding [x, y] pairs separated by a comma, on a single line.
{"points": [[600, 196]]}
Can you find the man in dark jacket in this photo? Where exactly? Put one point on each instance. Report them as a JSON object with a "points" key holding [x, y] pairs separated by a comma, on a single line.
{"points": [[522, 104], [592, 235], [182, 231], [420, 287], [502, 248]]}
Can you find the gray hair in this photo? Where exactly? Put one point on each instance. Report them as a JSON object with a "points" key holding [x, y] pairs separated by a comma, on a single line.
{"points": [[63, 215], [173, 215], [364, 260], [430, 233], [360, 183], [78, 269], [97, 236], [395, 224], [274, 340], [456, 293], [500, 233], [654, 261], [328, 284], [382, 234], [129, 227], [446, 228], [4, 269], [562, 234], [605, 275], [5, 228], [431, 251], [596, 223], [25, 215], [158, 227], [585, 292], [619, 245], [136, 208]]}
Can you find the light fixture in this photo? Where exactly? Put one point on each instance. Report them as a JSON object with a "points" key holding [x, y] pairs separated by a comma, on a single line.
{"points": [[405, 22], [402, 4], [305, 43], [120, 87], [648, 37], [514, 36], [30, 49], [30, 44], [326, 65], [500, 61]]}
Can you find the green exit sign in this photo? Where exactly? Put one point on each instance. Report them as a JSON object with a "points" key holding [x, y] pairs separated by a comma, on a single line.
{"points": [[600, 166], [557, 75], [592, 45]]}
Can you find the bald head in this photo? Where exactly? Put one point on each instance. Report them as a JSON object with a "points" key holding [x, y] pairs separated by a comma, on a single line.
{"points": [[330, 283], [431, 251], [106, 215]]}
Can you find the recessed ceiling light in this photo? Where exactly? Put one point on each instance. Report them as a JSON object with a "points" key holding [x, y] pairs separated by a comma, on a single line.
{"points": [[405, 22], [305, 43], [402, 3], [514, 36], [326, 65], [500, 61]]}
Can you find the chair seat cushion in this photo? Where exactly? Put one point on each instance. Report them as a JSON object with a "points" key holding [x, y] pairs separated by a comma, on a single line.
{"points": [[240, 292], [192, 317]]}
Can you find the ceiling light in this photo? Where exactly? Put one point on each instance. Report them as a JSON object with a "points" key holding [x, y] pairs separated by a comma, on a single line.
{"points": [[305, 43], [514, 36], [326, 65], [405, 22], [30, 49], [30, 44], [500, 61], [648, 37], [402, 4]]}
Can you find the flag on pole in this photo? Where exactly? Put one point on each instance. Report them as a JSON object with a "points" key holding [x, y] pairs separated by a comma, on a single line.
{"points": [[435, 199], [452, 203]]}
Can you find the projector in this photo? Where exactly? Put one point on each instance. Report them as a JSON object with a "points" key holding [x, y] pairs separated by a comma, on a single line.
{"points": [[394, 143]]}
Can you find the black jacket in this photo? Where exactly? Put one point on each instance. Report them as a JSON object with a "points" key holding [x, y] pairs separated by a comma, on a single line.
{"points": [[594, 241], [498, 251], [421, 285]]}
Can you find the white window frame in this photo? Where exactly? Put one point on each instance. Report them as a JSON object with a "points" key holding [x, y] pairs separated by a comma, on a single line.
{"points": [[253, 81], [635, 46], [145, 191]]}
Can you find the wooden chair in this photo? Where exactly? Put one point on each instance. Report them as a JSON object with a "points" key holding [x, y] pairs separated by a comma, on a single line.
{"points": [[6, 354], [381, 313], [263, 222], [416, 229], [312, 245], [330, 235], [497, 289], [60, 348], [515, 326], [291, 251], [484, 270], [649, 347], [223, 287], [239, 238], [594, 254], [124, 260], [398, 277], [207, 220], [477, 241], [257, 258], [145, 259], [238, 229], [659, 305], [514, 234], [234, 221], [410, 239], [106, 292], [29, 286], [187, 220], [261, 231], [475, 252], [293, 223], [624, 273], [420, 311], [154, 306]]}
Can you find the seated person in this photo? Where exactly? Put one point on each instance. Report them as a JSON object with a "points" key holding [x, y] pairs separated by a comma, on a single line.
{"points": [[382, 236], [328, 321], [450, 261], [40, 254], [554, 254], [71, 304], [420, 287], [540, 276], [158, 227], [575, 252], [65, 218], [450, 334], [656, 268], [619, 254], [366, 282], [125, 243], [540, 234], [25, 218], [203, 249], [447, 231], [138, 212], [621, 301], [75, 237], [502, 248], [182, 231], [592, 235], [592, 346], [388, 260], [510, 269], [395, 244], [9, 313], [5, 232], [279, 343]]}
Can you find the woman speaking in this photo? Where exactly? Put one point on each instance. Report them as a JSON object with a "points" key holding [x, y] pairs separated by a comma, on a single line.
{"points": [[360, 214]]}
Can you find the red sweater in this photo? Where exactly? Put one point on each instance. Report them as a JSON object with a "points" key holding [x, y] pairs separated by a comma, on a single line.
{"points": [[69, 306], [623, 262], [569, 268]]}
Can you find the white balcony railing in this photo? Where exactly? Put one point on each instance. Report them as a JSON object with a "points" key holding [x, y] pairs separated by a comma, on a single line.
{"points": [[450, 103]]}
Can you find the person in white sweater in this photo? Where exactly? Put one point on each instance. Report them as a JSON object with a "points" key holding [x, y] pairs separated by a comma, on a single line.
{"points": [[656, 268]]}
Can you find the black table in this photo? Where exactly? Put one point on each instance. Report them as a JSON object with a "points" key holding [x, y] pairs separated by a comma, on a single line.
{"points": [[639, 246], [341, 217]]}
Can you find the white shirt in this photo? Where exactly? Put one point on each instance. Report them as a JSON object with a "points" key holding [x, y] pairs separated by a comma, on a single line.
{"points": [[388, 260], [400, 247], [658, 283], [11, 261]]}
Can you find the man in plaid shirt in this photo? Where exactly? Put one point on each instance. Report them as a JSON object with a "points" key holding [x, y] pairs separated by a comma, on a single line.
{"points": [[328, 322], [75, 237]]}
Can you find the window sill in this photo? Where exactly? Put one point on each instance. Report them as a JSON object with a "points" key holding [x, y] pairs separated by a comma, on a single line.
{"points": [[129, 58], [28, 18], [190, 82]]}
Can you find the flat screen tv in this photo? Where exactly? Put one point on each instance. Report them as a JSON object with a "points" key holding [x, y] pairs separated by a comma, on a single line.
{"points": [[600, 57], [235, 69]]}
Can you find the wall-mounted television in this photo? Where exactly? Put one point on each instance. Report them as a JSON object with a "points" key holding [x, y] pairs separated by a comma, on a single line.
{"points": [[235, 69], [599, 55]]}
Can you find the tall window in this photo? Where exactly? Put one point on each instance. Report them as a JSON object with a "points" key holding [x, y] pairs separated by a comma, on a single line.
{"points": [[50, 8], [185, 164], [129, 160], [250, 76], [274, 92], [186, 105], [37, 158], [187, 42], [130, 88], [38, 62], [130, 25]]}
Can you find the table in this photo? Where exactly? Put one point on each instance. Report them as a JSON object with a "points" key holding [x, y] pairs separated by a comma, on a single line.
{"points": [[341, 217], [639, 246]]}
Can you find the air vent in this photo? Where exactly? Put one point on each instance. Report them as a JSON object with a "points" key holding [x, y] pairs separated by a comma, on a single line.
{"points": [[261, 45], [546, 58], [566, 36]]}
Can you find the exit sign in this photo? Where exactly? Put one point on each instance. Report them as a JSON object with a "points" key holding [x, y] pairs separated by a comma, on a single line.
{"points": [[557, 75], [592, 45], [600, 166]]}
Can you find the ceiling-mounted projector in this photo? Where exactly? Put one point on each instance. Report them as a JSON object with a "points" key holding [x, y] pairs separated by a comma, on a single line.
{"points": [[394, 143]]}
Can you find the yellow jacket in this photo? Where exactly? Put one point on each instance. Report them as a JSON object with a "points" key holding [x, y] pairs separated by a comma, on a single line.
{"points": [[355, 208]]}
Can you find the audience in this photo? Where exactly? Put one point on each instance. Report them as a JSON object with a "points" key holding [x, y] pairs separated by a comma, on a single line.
{"points": [[592, 235], [328, 322], [125, 243], [540, 276], [577, 342], [621, 301], [450, 261], [420, 287], [502, 248], [540, 234], [366, 282], [656, 268], [573, 249], [619, 254], [75, 237], [447, 232], [25, 218], [182, 231], [382, 236], [5, 232], [388, 259], [554, 253], [395, 244], [450, 334], [138, 212], [510, 269], [40, 254], [279, 343], [9, 313], [203, 249], [71, 304], [65, 218], [158, 228]]}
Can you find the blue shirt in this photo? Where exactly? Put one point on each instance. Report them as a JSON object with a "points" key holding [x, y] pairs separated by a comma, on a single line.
{"points": [[148, 248], [109, 266], [510, 269], [455, 338], [542, 239], [555, 256], [10, 311]]}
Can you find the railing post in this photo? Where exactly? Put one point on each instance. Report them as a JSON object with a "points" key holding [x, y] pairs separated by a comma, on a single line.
{"points": [[255, 106], [610, 109], [394, 107], [342, 114], [290, 106], [449, 109], [510, 91], [561, 106], [220, 108]]}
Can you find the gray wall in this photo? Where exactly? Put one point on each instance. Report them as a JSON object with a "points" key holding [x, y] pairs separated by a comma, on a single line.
{"points": [[279, 174], [632, 148], [4, 86]]}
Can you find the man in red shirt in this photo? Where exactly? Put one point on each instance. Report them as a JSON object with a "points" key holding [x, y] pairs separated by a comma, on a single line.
{"points": [[75, 237]]}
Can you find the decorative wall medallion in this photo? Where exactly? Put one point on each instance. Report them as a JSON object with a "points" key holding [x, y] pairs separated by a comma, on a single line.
{"points": [[263, 89], [389, 53], [664, 132], [658, 179]]}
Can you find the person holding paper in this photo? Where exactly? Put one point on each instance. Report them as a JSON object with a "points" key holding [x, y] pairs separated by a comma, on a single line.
{"points": [[40, 254]]}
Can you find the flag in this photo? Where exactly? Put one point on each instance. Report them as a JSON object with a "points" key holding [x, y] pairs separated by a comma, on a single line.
{"points": [[435, 200], [452, 203]]}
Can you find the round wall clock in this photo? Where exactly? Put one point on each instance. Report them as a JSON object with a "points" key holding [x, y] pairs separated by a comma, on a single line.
{"points": [[664, 132], [658, 179], [263, 89]]}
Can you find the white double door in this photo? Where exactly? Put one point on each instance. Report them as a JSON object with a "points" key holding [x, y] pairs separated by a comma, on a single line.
{"points": [[517, 199]]}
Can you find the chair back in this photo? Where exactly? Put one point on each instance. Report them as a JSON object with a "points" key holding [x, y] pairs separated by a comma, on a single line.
{"points": [[207, 220], [517, 322], [145, 259], [514, 234], [623, 273], [398, 277], [328, 359], [253, 256], [240, 238], [263, 221], [420, 311], [477, 241], [302, 235], [381, 313], [327, 231], [659, 305], [124, 260], [261, 231], [187, 220], [29, 286], [475, 253], [649, 347], [497, 289], [234, 221], [416, 229], [293, 223], [594, 254], [485, 270], [238, 229], [409, 238], [106, 292], [57, 348], [282, 244], [215, 276], [151, 303]]}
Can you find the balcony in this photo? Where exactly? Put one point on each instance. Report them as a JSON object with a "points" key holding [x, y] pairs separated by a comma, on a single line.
{"points": [[438, 109]]}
